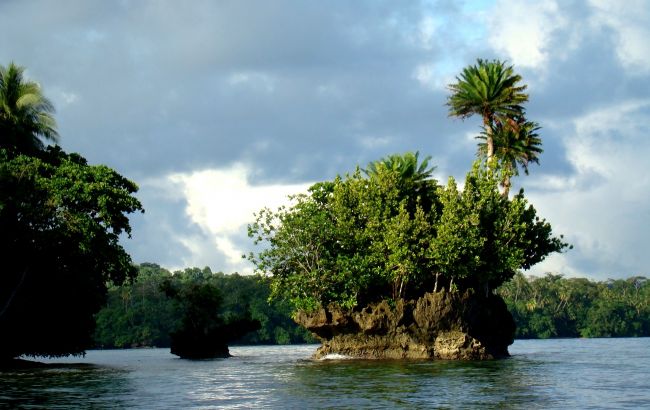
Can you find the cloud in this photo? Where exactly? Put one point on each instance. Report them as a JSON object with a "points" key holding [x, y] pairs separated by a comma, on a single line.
{"points": [[524, 32], [602, 207], [630, 22], [219, 203]]}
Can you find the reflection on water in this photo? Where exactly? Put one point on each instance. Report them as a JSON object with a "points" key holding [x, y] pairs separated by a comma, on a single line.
{"points": [[416, 384], [63, 386], [541, 374]]}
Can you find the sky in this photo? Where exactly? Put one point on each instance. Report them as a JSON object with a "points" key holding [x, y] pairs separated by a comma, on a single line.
{"points": [[219, 108]]}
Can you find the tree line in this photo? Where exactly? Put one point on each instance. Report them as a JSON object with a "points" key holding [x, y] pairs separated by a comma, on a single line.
{"points": [[142, 312], [553, 306], [139, 313]]}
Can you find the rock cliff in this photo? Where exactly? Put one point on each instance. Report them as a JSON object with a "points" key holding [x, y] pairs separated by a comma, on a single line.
{"points": [[439, 325]]}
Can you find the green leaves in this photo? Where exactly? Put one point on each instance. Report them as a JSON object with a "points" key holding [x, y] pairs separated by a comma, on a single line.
{"points": [[488, 88], [553, 306], [25, 114], [60, 221], [388, 235]]}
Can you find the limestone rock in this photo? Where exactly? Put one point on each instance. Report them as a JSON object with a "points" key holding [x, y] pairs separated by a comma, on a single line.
{"points": [[439, 325]]}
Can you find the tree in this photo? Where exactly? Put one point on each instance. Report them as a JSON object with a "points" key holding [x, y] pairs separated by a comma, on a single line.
{"points": [[360, 239], [60, 223], [349, 241], [203, 331], [406, 165], [492, 90], [553, 306], [25, 113], [483, 238], [137, 313], [514, 147]]}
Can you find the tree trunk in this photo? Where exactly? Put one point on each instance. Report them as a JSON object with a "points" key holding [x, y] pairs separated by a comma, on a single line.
{"points": [[489, 140]]}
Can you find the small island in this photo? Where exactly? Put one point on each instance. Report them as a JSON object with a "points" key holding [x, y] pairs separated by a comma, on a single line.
{"points": [[387, 263], [441, 325], [203, 333]]}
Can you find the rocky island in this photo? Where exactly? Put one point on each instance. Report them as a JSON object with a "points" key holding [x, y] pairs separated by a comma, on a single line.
{"points": [[391, 265], [439, 325], [385, 262]]}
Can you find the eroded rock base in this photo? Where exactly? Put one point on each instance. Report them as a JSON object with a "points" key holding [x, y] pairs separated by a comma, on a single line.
{"points": [[439, 325]]}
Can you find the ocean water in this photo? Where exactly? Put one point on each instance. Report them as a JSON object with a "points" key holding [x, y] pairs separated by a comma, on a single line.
{"points": [[567, 373]]}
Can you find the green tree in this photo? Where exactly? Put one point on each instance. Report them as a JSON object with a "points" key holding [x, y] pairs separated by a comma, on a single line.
{"points": [[25, 113], [407, 165], [553, 306], [483, 238], [514, 147], [492, 90], [355, 240], [60, 223], [138, 313], [203, 331]]}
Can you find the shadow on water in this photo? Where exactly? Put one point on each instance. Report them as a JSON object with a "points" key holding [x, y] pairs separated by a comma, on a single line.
{"points": [[62, 385], [443, 384]]}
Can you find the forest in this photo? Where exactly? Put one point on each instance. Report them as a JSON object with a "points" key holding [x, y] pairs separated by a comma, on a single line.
{"points": [[553, 306], [139, 314]]}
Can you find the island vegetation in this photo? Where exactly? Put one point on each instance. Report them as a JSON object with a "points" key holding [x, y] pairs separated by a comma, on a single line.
{"points": [[390, 232], [139, 314]]}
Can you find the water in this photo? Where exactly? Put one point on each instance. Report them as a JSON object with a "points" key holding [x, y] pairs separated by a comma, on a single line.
{"points": [[569, 373]]}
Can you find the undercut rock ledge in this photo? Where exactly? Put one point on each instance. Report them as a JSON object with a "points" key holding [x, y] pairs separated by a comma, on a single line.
{"points": [[441, 325]]}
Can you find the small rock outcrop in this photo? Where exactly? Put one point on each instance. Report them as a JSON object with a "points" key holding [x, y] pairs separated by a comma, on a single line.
{"points": [[439, 325]]}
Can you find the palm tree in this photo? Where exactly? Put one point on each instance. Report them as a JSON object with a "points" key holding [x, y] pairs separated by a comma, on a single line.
{"points": [[415, 178], [406, 165], [25, 114], [514, 147], [492, 90]]}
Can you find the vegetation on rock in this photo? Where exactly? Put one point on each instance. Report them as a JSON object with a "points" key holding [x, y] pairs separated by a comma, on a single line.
{"points": [[361, 239], [203, 332]]}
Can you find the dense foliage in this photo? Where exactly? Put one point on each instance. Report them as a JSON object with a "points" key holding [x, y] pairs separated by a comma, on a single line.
{"points": [[553, 306], [492, 90], [139, 313], [203, 332], [60, 222], [26, 115], [390, 235]]}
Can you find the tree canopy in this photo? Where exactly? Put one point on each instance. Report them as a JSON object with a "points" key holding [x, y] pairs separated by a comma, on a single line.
{"points": [[554, 306], [139, 313], [60, 224], [361, 238], [25, 113], [492, 90]]}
